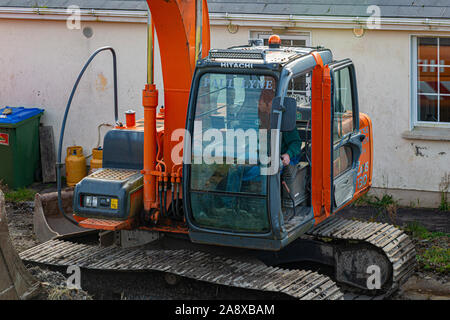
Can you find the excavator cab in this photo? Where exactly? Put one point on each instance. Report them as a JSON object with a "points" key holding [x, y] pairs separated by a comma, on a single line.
{"points": [[243, 100]]}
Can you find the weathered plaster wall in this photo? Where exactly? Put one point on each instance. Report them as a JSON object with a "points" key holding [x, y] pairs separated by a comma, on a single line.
{"points": [[40, 61]]}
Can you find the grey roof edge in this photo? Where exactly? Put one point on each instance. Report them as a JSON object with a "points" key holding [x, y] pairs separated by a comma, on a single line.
{"points": [[433, 9]]}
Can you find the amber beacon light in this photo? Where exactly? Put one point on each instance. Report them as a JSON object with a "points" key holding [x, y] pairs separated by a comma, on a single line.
{"points": [[274, 41]]}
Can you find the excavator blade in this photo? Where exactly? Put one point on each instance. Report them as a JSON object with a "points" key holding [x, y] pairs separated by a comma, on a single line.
{"points": [[15, 280], [48, 221]]}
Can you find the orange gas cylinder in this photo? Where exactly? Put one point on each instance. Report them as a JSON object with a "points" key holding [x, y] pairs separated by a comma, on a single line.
{"points": [[75, 165], [97, 160]]}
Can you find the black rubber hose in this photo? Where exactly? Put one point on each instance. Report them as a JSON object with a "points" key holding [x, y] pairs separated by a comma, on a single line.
{"points": [[307, 143], [177, 194], [165, 199], [160, 199], [173, 212], [63, 126], [179, 208]]}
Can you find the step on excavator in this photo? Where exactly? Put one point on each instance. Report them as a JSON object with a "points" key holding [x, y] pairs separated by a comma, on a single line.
{"points": [[201, 188]]}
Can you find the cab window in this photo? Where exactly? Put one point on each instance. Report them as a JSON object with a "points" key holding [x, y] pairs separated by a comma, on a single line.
{"points": [[343, 120], [343, 104]]}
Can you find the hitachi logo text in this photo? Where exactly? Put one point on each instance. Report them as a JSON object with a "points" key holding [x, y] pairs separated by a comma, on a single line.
{"points": [[236, 65]]}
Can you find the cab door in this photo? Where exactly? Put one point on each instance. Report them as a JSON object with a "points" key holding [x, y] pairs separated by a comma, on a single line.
{"points": [[346, 140]]}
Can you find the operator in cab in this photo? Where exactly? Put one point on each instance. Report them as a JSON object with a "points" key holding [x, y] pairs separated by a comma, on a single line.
{"points": [[291, 143], [290, 148]]}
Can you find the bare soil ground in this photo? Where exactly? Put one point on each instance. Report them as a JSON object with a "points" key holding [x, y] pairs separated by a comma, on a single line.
{"points": [[424, 284], [431, 219]]}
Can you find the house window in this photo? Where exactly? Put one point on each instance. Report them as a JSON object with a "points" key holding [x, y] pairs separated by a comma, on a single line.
{"points": [[432, 80], [287, 42]]}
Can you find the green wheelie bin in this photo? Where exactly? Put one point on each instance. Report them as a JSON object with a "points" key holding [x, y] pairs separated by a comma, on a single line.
{"points": [[19, 146]]}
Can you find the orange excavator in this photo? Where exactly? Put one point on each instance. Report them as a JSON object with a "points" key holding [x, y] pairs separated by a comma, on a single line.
{"points": [[198, 189]]}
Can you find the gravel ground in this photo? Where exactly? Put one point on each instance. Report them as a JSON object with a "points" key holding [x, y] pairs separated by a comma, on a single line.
{"points": [[54, 287], [103, 285], [20, 223], [53, 284]]}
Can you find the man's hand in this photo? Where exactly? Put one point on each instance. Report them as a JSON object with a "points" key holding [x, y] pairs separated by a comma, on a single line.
{"points": [[286, 159]]}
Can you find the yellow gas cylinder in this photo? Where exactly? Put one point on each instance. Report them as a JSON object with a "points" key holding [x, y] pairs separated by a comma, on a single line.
{"points": [[97, 160], [75, 165]]}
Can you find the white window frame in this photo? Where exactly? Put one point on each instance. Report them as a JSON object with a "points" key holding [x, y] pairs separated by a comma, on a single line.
{"points": [[414, 122], [265, 34]]}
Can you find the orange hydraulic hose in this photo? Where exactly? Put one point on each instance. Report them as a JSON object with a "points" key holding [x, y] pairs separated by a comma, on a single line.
{"points": [[159, 157]]}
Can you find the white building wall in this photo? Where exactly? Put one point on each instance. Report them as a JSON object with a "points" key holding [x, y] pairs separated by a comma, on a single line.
{"points": [[40, 61], [383, 66]]}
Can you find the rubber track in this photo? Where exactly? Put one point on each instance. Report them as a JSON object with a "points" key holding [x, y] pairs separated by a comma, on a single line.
{"points": [[300, 284], [395, 244]]}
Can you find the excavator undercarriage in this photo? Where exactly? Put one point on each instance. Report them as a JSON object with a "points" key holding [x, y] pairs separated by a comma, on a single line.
{"points": [[356, 251]]}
